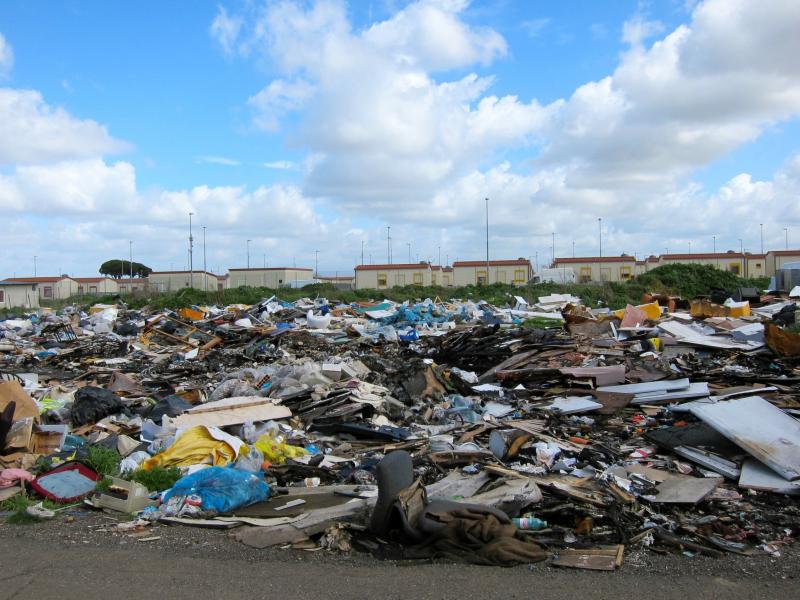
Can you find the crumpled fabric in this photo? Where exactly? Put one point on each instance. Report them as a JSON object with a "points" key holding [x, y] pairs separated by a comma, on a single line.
{"points": [[478, 538], [197, 445], [10, 477]]}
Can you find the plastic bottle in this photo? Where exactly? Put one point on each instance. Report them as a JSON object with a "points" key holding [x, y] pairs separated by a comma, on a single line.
{"points": [[531, 523]]}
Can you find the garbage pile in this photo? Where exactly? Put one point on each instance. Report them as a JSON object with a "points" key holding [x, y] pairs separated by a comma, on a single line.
{"points": [[541, 430]]}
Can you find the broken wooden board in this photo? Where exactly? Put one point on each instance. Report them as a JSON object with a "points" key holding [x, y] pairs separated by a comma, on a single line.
{"points": [[593, 559], [457, 486], [232, 411], [764, 431]]}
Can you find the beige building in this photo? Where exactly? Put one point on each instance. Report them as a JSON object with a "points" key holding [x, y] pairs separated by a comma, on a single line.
{"points": [[777, 258], [744, 265], [343, 282], [478, 272], [50, 288], [97, 285], [270, 277], [599, 268], [170, 281], [447, 277], [19, 294], [131, 285], [385, 276]]}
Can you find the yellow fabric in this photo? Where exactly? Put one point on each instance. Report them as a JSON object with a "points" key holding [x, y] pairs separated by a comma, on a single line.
{"points": [[275, 451], [193, 447], [652, 310]]}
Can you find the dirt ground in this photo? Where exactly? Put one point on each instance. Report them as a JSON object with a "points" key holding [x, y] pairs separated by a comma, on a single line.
{"points": [[81, 555]]}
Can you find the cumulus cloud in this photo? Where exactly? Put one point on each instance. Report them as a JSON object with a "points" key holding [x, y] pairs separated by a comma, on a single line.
{"points": [[33, 132], [6, 57]]}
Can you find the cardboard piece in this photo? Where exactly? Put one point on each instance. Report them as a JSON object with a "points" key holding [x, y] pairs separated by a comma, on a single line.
{"points": [[232, 411], [26, 407]]}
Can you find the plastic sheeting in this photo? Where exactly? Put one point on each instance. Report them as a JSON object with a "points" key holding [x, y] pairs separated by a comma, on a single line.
{"points": [[221, 490]]}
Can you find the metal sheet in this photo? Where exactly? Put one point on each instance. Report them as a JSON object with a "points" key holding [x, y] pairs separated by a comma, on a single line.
{"points": [[665, 385], [756, 476], [763, 430], [695, 390]]}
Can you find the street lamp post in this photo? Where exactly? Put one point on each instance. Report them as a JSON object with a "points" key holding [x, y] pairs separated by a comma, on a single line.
{"points": [[553, 249], [204, 249], [389, 244], [316, 264], [34, 265], [761, 226], [488, 280], [409, 252], [130, 257], [786, 237], [600, 232], [191, 249], [362, 252], [248, 253]]}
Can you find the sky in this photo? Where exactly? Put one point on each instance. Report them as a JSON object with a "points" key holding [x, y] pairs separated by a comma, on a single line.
{"points": [[310, 127]]}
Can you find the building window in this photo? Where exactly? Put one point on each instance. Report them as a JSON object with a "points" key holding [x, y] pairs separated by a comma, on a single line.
{"points": [[481, 277], [48, 292], [758, 265], [519, 276], [586, 274], [93, 289], [624, 273], [382, 279], [735, 268], [417, 278], [80, 289], [2, 295]]}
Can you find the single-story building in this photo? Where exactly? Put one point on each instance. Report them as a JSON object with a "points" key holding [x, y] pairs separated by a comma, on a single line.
{"points": [[397, 275], [599, 268], [447, 277], [170, 281], [268, 277], [97, 285], [777, 258], [478, 272], [744, 265], [132, 285], [50, 288], [19, 294]]}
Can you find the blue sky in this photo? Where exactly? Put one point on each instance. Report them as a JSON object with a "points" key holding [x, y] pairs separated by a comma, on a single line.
{"points": [[184, 110]]}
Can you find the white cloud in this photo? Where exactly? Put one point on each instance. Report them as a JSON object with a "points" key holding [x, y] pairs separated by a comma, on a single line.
{"points": [[276, 99], [33, 132], [6, 57], [282, 165], [218, 160], [535, 27], [225, 29]]}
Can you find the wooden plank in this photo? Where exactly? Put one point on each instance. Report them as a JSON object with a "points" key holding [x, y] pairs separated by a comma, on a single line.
{"points": [[233, 416]]}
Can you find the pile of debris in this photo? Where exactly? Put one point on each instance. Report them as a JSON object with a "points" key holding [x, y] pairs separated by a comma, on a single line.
{"points": [[456, 429]]}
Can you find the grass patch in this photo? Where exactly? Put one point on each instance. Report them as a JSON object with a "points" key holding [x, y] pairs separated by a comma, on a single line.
{"points": [[17, 505], [157, 479], [102, 460]]}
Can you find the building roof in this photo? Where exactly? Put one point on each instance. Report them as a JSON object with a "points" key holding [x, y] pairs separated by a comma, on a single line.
{"points": [[594, 259], [436, 267], [492, 263], [393, 267], [34, 279], [91, 279], [7, 283], [785, 252], [182, 273], [707, 255], [447, 269], [273, 269]]}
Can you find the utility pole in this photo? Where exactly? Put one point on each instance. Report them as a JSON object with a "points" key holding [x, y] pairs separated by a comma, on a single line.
{"points": [[316, 264], [265, 260], [248, 253], [191, 247], [130, 256], [204, 249], [488, 280], [761, 226], [600, 231], [388, 244], [741, 247]]}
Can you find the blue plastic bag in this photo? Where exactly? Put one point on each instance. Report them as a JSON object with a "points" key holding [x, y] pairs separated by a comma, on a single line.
{"points": [[221, 489]]}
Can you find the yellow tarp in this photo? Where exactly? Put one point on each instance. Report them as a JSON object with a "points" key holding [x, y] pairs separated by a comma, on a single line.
{"points": [[705, 308], [194, 446], [192, 314]]}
